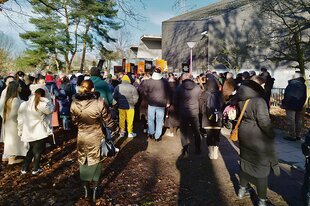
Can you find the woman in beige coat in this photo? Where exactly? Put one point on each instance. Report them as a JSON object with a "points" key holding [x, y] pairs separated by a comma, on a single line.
{"points": [[88, 112]]}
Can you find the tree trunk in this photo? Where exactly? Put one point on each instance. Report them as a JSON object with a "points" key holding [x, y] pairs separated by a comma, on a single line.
{"points": [[84, 47], [75, 44], [67, 40]]}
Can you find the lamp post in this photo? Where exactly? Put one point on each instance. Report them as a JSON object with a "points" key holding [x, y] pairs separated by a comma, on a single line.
{"points": [[191, 45]]}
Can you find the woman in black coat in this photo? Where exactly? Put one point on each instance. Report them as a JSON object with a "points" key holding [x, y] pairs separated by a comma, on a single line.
{"points": [[256, 139], [211, 103]]}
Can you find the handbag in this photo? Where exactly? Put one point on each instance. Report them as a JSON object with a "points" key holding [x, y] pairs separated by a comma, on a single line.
{"points": [[234, 133], [107, 148]]}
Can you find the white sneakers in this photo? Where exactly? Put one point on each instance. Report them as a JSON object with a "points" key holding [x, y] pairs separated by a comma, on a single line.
{"points": [[213, 152], [169, 134], [131, 135]]}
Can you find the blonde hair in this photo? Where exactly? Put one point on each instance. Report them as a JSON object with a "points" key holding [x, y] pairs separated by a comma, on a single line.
{"points": [[86, 86]]}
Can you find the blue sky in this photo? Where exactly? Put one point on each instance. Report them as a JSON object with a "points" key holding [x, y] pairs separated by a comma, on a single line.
{"points": [[154, 11]]}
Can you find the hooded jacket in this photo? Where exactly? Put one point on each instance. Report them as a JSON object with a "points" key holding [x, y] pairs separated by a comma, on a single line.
{"points": [[88, 112], [103, 88], [256, 136], [186, 98], [126, 94]]}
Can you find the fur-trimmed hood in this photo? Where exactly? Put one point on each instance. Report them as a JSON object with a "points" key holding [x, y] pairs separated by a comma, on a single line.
{"points": [[248, 90]]}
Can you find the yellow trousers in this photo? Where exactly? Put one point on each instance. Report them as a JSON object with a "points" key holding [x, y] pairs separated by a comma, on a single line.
{"points": [[126, 115]]}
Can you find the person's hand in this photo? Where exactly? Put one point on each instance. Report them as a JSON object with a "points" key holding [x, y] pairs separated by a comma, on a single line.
{"points": [[168, 105]]}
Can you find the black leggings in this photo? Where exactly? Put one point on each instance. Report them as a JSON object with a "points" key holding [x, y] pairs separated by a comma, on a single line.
{"points": [[35, 151], [261, 184], [212, 136]]}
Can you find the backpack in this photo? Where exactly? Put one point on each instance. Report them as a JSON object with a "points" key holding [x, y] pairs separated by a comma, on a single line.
{"points": [[213, 108]]}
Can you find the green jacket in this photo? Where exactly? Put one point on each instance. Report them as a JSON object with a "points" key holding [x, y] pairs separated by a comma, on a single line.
{"points": [[103, 88]]}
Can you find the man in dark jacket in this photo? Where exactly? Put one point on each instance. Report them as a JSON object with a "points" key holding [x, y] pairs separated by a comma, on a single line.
{"points": [[157, 92], [295, 96], [186, 100]]}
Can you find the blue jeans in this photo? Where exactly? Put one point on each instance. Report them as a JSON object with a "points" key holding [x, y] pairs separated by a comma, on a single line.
{"points": [[155, 114]]}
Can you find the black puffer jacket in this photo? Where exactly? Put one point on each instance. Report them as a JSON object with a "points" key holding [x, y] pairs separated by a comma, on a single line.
{"points": [[256, 136], [186, 98], [295, 94]]}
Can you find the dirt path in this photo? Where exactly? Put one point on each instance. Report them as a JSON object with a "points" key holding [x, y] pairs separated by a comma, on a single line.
{"points": [[144, 173]]}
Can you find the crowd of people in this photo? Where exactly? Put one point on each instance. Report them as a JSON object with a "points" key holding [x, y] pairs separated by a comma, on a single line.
{"points": [[32, 105]]}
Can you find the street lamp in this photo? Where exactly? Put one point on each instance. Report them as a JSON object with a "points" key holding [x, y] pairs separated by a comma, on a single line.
{"points": [[191, 45]]}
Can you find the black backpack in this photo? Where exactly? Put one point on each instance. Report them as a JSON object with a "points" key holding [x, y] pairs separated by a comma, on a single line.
{"points": [[213, 108]]}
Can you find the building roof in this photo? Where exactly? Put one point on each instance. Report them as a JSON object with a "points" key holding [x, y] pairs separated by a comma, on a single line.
{"points": [[150, 38], [210, 11]]}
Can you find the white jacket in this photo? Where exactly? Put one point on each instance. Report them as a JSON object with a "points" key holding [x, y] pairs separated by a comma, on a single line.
{"points": [[34, 125]]}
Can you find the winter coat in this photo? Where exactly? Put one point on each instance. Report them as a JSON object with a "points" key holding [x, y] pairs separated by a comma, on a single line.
{"points": [[25, 91], [126, 95], [34, 124], [295, 95], [210, 93], [88, 112], [256, 136], [186, 98], [172, 119], [12, 142], [103, 88], [157, 92], [142, 102]]}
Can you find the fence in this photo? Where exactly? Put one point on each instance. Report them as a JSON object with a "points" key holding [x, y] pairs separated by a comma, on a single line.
{"points": [[277, 94]]}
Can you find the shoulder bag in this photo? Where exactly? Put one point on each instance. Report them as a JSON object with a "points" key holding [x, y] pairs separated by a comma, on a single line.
{"points": [[235, 131]]}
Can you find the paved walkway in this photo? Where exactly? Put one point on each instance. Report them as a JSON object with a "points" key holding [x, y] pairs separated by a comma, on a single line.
{"points": [[288, 152]]}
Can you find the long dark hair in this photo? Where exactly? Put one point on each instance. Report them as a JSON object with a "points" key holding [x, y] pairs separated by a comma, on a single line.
{"points": [[37, 94], [11, 93]]}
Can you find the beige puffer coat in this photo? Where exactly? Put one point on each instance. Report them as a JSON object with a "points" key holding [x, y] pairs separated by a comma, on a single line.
{"points": [[88, 111]]}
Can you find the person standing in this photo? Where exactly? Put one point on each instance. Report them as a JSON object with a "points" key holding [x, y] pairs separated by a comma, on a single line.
{"points": [[186, 101], [211, 106], [101, 86], [157, 92], [34, 128], [13, 146], [295, 96], [90, 112], [126, 96], [256, 139]]}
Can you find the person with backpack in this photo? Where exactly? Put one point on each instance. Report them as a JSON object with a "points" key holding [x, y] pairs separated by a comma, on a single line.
{"points": [[211, 104]]}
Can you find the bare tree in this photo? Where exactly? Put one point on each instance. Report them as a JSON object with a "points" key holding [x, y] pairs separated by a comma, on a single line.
{"points": [[287, 32]]}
